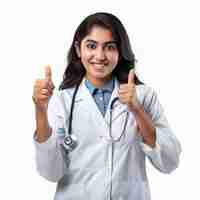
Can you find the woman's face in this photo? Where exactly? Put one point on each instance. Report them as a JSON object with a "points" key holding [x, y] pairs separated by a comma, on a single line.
{"points": [[99, 55]]}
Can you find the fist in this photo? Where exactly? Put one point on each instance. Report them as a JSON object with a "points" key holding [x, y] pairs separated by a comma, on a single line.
{"points": [[43, 90], [127, 92]]}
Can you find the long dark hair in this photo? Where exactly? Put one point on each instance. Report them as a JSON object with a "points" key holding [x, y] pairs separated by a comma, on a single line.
{"points": [[75, 70]]}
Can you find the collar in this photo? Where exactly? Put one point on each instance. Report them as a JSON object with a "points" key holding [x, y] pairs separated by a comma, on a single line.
{"points": [[109, 86]]}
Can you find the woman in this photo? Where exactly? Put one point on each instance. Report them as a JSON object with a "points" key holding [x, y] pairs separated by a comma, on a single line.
{"points": [[92, 137]]}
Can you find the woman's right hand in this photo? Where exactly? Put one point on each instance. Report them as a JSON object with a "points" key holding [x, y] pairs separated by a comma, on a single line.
{"points": [[43, 90]]}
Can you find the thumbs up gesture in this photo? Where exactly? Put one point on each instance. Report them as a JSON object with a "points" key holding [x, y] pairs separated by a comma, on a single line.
{"points": [[43, 90], [127, 92]]}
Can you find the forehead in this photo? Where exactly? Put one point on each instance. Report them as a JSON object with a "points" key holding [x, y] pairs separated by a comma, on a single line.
{"points": [[99, 34]]}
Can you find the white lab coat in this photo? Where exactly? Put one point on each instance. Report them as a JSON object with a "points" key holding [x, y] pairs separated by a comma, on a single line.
{"points": [[98, 169]]}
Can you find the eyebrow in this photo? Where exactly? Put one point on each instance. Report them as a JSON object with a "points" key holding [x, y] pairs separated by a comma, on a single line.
{"points": [[105, 43]]}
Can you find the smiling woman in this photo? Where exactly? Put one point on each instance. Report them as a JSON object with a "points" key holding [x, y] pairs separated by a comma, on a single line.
{"points": [[99, 55], [88, 36], [94, 135]]}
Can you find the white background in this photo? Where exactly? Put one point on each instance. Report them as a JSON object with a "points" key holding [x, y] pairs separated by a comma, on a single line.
{"points": [[165, 38]]}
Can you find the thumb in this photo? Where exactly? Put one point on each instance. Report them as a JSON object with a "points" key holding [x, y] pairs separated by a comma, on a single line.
{"points": [[131, 76], [48, 73]]}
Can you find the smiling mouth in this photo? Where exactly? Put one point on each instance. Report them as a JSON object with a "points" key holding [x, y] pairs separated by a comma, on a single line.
{"points": [[99, 65]]}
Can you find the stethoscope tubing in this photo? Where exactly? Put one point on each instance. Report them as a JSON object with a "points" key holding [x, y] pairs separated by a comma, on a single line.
{"points": [[70, 141]]}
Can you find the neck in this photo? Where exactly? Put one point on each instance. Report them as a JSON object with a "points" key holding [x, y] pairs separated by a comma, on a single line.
{"points": [[99, 83]]}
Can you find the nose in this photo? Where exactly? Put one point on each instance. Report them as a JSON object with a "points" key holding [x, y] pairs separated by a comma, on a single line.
{"points": [[100, 54]]}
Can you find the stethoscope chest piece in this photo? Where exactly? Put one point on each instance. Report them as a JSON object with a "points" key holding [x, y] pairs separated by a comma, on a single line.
{"points": [[70, 142]]}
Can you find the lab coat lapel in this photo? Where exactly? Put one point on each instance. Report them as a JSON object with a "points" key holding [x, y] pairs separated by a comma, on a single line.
{"points": [[88, 104]]}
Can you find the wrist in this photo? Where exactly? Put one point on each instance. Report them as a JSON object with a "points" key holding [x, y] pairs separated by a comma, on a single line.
{"points": [[40, 109], [150, 139], [43, 137], [135, 107]]}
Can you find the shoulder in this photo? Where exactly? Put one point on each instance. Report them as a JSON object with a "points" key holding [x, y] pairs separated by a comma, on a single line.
{"points": [[146, 95], [58, 94], [59, 100], [144, 91], [66, 93]]}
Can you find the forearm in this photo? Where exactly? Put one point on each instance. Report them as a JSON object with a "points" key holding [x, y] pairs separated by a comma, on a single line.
{"points": [[43, 130], [159, 143], [49, 159], [145, 125], [165, 148]]}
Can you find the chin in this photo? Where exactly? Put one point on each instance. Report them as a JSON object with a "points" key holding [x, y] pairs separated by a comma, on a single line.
{"points": [[101, 75]]}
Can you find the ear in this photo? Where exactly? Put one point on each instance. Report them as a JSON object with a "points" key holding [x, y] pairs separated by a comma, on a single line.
{"points": [[76, 45]]}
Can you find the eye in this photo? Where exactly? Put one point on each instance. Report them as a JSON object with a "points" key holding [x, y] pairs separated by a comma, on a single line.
{"points": [[111, 47], [91, 46]]}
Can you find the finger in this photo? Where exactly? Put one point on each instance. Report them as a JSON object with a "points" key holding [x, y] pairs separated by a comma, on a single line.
{"points": [[42, 85], [131, 76], [48, 73], [122, 92], [123, 86], [38, 91], [51, 86], [45, 92], [129, 89], [40, 98], [125, 96], [123, 100]]}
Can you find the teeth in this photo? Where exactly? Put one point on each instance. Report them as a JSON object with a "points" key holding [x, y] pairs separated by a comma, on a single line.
{"points": [[99, 65]]}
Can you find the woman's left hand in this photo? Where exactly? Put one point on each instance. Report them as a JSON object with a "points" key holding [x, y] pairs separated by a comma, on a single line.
{"points": [[127, 95], [127, 92]]}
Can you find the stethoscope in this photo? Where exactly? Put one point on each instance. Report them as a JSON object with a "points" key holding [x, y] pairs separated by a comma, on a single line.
{"points": [[70, 141]]}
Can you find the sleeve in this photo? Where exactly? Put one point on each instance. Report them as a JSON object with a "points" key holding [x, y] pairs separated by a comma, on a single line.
{"points": [[51, 162], [165, 155]]}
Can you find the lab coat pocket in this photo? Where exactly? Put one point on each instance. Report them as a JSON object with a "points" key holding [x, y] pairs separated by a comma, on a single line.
{"points": [[72, 192], [132, 190], [122, 192]]}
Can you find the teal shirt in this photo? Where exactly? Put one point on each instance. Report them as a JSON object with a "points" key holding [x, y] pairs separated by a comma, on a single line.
{"points": [[101, 95]]}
